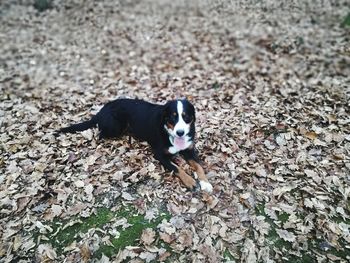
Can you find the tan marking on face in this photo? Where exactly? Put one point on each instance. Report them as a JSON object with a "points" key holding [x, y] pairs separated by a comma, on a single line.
{"points": [[170, 126], [174, 113]]}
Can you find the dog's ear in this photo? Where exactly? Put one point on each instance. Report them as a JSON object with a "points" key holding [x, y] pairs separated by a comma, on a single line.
{"points": [[166, 107], [191, 108], [165, 111], [193, 111]]}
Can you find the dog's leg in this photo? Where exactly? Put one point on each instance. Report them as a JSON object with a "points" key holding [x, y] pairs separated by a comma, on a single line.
{"points": [[187, 180], [192, 158]]}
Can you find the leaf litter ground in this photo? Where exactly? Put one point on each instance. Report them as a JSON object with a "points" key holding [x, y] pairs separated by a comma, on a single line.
{"points": [[271, 88]]}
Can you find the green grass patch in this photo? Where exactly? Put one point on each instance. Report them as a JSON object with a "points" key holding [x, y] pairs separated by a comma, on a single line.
{"points": [[339, 219], [65, 232], [283, 217], [42, 5], [216, 86], [129, 236], [228, 256], [66, 236], [346, 21]]}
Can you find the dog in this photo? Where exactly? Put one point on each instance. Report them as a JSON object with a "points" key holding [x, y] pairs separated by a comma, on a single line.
{"points": [[169, 129]]}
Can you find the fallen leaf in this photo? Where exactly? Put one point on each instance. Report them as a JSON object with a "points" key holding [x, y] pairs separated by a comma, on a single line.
{"points": [[164, 256], [79, 183], [56, 209], [85, 252], [148, 256], [311, 135], [166, 237], [248, 251], [285, 235], [46, 252], [148, 236], [127, 196]]}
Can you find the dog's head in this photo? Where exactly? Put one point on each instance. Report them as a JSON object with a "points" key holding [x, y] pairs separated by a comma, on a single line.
{"points": [[178, 119]]}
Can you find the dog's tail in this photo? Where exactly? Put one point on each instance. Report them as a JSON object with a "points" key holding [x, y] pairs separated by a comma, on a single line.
{"points": [[79, 126]]}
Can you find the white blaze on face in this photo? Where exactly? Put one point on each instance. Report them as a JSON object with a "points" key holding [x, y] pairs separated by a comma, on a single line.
{"points": [[181, 124]]}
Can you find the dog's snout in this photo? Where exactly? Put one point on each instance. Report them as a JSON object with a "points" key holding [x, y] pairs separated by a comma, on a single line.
{"points": [[180, 133]]}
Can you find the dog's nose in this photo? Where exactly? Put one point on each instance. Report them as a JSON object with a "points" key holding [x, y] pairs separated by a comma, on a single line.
{"points": [[180, 132]]}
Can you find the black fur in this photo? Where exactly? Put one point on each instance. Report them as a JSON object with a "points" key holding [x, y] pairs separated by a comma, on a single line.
{"points": [[144, 121]]}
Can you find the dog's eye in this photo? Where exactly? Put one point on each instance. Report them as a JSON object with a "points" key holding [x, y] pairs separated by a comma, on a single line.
{"points": [[187, 118], [171, 119]]}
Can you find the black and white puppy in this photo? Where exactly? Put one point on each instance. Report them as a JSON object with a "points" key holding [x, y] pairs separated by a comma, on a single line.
{"points": [[169, 129]]}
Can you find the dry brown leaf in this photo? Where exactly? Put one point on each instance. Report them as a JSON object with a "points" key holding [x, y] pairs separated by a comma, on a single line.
{"points": [[85, 253], [185, 238], [46, 252], [311, 135], [166, 237], [148, 236], [281, 190], [162, 257], [56, 210]]}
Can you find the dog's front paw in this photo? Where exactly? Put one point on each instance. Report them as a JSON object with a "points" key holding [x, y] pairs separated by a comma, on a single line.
{"points": [[206, 186], [187, 180]]}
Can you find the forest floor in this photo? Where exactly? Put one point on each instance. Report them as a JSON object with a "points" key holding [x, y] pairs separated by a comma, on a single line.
{"points": [[270, 83]]}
